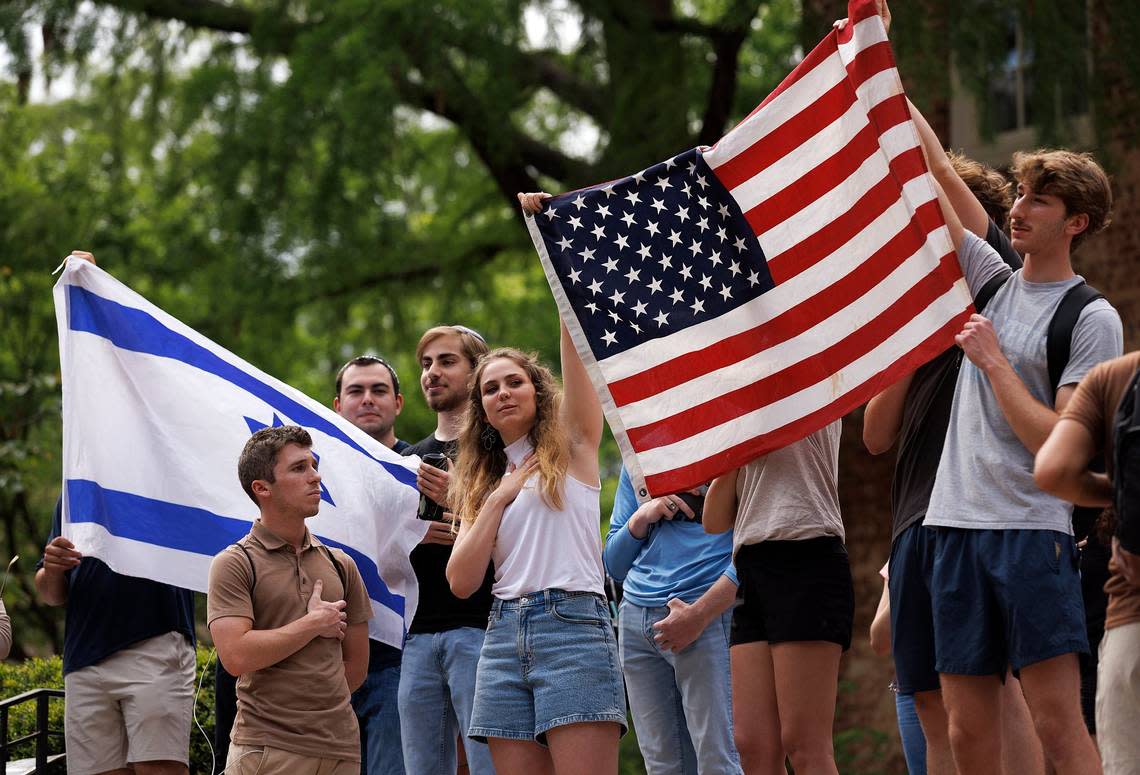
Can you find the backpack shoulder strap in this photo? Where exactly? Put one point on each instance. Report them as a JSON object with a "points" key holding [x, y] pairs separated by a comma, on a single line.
{"points": [[252, 567], [1059, 339], [988, 290], [338, 566]]}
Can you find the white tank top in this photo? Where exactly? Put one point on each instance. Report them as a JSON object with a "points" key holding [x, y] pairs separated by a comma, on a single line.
{"points": [[539, 548]]}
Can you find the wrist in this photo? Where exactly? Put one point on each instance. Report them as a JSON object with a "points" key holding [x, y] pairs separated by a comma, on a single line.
{"points": [[700, 609], [310, 626], [498, 499], [995, 366], [637, 528]]}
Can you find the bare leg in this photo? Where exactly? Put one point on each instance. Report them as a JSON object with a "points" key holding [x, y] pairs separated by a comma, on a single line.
{"points": [[160, 768], [1020, 749], [936, 728], [807, 678], [589, 748], [973, 705], [755, 715], [1053, 690], [520, 757]]}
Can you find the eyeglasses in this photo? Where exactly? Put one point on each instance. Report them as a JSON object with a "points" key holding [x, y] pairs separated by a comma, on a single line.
{"points": [[470, 331], [366, 360]]}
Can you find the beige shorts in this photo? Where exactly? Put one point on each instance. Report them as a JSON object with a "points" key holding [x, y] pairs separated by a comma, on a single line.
{"points": [[134, 706], [1118, 700], [263, 760]]}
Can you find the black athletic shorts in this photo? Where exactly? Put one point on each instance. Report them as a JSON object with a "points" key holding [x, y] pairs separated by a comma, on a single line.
{"points": [[794, 591]]}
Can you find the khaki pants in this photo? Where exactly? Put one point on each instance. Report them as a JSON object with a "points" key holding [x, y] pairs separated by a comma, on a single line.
{"points": [[1118, 700], [263, 760]]}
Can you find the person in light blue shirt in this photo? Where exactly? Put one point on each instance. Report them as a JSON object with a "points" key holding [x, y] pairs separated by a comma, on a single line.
{"points": [[679, 587]]}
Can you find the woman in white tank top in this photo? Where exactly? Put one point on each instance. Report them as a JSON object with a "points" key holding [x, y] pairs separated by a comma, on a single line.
{"points": [[548, 694]]}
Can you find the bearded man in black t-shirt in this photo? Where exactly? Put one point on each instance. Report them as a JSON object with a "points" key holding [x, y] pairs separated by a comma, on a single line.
{"points": [[441, 652]]}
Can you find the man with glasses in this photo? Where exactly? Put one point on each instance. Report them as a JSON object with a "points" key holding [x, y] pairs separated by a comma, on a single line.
{"points": [[368, 395], [437, 680]]}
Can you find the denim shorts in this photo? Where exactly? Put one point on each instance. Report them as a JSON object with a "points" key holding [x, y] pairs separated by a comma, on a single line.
{"points": [[549, 659]]}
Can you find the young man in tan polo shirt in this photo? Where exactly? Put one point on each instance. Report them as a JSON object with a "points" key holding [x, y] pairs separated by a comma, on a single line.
{"points": [[1086, 428], [289, 616]]}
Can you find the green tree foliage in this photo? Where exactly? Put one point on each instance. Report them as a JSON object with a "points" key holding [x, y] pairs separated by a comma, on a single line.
{"points": [[305, 181]]}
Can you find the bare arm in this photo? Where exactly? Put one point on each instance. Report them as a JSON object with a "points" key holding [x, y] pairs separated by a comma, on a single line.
{"points": [[881, 624], [51, 588], [1061, 467], [882, 419], [953, 223], [966, 206], [720, 503], [471, 552], [582, 411], [354, 649], [476, 539], [243, 649], [60, 556]]}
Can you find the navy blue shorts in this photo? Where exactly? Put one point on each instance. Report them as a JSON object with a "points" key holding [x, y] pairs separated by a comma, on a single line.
{"points": [[1005, 597], [912, 615]]}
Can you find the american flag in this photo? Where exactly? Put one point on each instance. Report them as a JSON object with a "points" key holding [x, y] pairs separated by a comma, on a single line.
{"points": [[734, 299]]}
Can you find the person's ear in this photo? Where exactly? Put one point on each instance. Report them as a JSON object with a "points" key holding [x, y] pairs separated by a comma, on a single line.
{"points": [[1077, 224]]}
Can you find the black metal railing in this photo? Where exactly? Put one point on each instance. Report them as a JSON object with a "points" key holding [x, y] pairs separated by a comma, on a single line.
{"points": [[41, 736]]}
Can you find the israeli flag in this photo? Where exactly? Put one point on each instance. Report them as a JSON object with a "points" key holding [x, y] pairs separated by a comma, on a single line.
{"points": [[155, 416]]}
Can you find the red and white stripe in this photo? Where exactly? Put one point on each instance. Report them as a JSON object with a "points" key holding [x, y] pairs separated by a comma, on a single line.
{"points": [[829, 173]]}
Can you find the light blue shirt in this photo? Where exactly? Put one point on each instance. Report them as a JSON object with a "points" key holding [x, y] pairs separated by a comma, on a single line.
{"points": [[677, 558]]}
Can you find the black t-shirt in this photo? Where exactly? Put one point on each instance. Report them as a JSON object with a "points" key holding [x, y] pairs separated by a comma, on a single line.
{"points": [[439, 610], [107, 611], [926, 416]]}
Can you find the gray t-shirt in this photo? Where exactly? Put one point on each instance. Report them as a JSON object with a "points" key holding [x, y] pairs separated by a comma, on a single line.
{"points": [[791, 493], [985, 477]]}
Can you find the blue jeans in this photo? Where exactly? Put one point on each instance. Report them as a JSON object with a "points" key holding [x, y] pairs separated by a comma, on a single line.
{"points": [[910, 730], [681, 702], [437, 689], [379, 719]]}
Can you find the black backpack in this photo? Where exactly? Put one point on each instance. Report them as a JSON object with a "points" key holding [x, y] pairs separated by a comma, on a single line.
{"points": [[1126, 464]]}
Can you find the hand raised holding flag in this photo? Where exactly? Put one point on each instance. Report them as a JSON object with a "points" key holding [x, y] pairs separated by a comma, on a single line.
{"points": [[881, 8], [532, 203]]}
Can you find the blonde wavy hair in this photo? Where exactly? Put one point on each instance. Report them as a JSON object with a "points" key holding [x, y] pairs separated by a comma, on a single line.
{"points": [[482, 460]]}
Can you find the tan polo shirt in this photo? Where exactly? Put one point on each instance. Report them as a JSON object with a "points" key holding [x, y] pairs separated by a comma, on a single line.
{"points": [[301, 704], [1094, 405]]}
